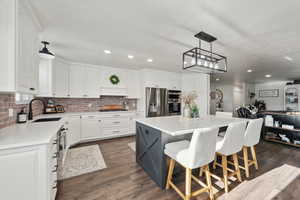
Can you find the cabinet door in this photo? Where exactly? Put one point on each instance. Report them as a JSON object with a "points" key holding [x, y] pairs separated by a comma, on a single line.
{"points": [[20, 175], [174, 81], [93, 82], [90, 127], [27, 52], [74, 130], [77, 80], [133, 84], [60, 79]]}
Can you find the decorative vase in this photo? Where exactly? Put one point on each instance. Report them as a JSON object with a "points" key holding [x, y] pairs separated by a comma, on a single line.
{"points": [[186, 111]]}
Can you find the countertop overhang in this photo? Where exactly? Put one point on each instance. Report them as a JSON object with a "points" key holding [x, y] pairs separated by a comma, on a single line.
{"points": [[177, 125]]}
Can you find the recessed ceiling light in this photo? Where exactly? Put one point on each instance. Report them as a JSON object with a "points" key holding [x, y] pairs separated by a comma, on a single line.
{"points": [[107, 51], [288, 58], [217, 79], [268, 75], [130, 56], [149, 60], [249, 70]]}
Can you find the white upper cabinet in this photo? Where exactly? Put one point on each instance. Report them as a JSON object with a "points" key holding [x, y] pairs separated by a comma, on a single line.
{"points": [[54, 78], [77, 81], [61, 70], [174, 81], [85, 81], [133, 84], [27, 51], [93, 82], [19, 59], [161, 79]]}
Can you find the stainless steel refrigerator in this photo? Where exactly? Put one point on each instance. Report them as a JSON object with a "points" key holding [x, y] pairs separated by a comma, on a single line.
{"points": [[156, 102]]}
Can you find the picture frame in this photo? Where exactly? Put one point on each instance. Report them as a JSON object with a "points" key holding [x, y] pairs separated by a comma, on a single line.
{"points": [[269, 93]]}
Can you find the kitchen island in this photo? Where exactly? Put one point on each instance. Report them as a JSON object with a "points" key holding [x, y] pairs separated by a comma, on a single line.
{"points": [[153, 133]]}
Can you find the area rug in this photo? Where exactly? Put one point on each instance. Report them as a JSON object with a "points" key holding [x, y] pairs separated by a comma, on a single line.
{"points": [[82, 160], [132, 146]]}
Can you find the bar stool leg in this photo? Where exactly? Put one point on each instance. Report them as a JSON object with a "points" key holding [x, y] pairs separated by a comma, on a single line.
{"points": [[188, 179], [246, 161], [215, 162], [209, 185], [225, 172], [170, 173], [236, 166], [254, 157], [201, 171]]}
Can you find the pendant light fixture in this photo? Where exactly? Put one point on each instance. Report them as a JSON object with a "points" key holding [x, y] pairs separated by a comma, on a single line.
{"points": [[45, 53], [202, 60]]}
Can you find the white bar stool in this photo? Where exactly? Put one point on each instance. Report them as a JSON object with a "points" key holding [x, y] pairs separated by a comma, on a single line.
{"points": [[252, 136], [191, 155], [229, 145]]}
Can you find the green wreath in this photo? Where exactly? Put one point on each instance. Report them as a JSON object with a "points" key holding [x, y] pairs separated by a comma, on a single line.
{"points": [[114, 79]]}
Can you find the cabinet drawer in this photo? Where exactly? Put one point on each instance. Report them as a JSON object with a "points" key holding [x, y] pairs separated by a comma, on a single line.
{"points": [[117, 115], [117, 131], [118, 122]]}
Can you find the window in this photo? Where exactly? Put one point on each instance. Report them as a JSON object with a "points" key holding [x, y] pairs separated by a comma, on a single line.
{"points": [[21, 98]]}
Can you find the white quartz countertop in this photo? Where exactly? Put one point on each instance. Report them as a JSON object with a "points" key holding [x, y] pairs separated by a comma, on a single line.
{"points": [[29, 134], [177, 125]]}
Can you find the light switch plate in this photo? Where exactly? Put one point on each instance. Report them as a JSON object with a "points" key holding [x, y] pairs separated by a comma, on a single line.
{"points": [[10, 112]]}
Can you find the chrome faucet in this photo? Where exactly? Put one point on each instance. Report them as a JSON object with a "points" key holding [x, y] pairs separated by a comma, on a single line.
{"points": [[30, 114]]}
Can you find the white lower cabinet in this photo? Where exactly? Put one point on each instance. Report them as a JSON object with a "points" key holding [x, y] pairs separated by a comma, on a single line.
{"points": [[107, 125], [73, 124], [29, 172], [90, 127]]}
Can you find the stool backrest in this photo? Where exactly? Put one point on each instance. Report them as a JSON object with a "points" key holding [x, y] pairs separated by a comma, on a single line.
{"points": [[224, 114], [202, 148], [234, 138], [253, 131]]}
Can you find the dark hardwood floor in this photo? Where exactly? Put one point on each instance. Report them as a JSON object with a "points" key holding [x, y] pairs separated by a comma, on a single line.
{"points": [[278, 177]]}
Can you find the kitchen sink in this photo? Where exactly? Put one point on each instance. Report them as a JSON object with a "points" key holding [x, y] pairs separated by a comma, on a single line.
{"points": [[51, 119]]}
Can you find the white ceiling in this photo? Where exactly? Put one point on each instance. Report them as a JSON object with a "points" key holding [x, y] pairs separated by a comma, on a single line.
{"points": [[254, 34]]}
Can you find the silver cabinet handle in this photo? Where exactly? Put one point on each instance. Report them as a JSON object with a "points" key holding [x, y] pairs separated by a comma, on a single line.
{"points": [[55, 155], [54, 141], [116, 122], [55, 185], [99, 120], [56, 168], [116, 131], [117, 115]]}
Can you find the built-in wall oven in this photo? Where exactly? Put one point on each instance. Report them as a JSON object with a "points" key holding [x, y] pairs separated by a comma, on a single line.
{"points": [[174, 102]]}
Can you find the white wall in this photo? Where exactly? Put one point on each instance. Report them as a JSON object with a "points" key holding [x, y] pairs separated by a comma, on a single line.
{"points": [[272, 103], [234, 95], [201, 84]]}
